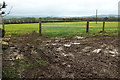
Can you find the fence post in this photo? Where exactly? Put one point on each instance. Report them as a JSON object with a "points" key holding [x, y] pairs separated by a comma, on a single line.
{"points": [[103, 26], [87, 28], [3, 25], [40, 21]]}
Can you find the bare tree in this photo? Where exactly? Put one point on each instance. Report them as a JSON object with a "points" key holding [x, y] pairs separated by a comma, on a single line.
{"points": [[1, 15]]}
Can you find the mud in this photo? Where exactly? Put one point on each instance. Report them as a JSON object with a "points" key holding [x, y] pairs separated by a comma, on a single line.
{"points": [[63, 57]]}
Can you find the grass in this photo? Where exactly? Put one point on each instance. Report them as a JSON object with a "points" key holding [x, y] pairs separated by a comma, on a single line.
{"points": [[10, 72], [13, 71], [38, 40], [35, 64], [57, 29], [40, 62]]}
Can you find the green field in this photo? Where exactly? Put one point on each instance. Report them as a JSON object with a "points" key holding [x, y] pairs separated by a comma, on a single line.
{"points": [[62, 28]]}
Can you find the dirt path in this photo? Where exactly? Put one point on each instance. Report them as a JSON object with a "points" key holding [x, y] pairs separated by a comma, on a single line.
{"points": [[63, 57]]}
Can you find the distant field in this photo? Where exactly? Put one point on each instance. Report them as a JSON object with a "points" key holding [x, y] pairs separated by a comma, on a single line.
{"points": [[62, 28]]}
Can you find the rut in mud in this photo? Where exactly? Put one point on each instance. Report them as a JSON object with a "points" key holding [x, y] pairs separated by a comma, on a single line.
{"points": [[62, 57]]}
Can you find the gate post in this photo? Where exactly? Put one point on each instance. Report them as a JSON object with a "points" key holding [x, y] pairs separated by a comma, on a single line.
{"points": [[40, 22], [87, 28], [103, 26]]}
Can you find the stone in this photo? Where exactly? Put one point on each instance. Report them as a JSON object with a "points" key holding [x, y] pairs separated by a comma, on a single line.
{"points": [[111, 52], [57, 40], [46, 44], [9, 36], [54, 44], [86, 49], [64, 54], [12, 59], [64, 63], [110, 47], [97, 51], [76, 43], [59, 49], [69, 66], [12, 47], [114, 53], [15, 53], [115, 50], [71, 55], [67, 45], [19, 56], [32, 46], [78, 37], [28, 44], [104, 45], [33, 52], [106, 52], [6, 39]]}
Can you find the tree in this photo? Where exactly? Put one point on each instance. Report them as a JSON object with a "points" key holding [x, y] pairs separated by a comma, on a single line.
{"points": [[106, 18], [1, 7], [2, 31]]}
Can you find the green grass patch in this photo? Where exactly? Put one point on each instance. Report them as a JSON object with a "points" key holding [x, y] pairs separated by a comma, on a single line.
{"points": [[38, 40], [58, 29], [35, 64], [40, 62], [10, 72]]}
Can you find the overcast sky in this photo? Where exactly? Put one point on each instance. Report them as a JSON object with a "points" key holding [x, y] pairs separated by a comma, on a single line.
{"points": [[62, 7]]}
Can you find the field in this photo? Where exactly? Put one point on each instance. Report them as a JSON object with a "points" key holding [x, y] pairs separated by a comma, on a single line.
{"points": [[63, 28], [79, 55]]}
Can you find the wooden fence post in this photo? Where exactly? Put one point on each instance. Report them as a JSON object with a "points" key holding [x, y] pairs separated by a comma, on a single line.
{"points": [[3, 25], [40, 21], [103, 26], [87, 28]]}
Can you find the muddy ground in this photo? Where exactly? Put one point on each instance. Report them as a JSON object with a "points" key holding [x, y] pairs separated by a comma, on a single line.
{"points": [[31, 56]]}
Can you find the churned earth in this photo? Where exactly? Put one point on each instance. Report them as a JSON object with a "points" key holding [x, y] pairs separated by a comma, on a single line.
{"points": [[32, 56]]}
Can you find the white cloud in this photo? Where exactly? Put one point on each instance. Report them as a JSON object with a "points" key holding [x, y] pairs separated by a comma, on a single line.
{"points": [[62, 7]]}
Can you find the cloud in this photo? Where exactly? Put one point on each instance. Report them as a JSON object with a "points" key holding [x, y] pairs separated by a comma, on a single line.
{"points": [[62, 7]]}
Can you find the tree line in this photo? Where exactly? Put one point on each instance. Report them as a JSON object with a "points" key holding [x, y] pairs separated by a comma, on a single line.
{"points": [[56, 19]]}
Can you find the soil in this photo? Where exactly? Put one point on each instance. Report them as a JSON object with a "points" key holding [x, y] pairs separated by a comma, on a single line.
{"points": [[63, 57]]}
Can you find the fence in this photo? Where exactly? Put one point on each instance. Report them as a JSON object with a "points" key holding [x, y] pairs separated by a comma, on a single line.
{"points": [[61, 27], [73, 27]]}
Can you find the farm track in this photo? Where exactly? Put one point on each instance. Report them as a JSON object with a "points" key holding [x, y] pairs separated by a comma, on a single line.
{"points": [[63, 57]]}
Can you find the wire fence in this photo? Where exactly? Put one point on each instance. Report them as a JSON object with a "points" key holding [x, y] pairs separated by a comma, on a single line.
{"points": [[60, 27], [78, 27], [64, 27]]}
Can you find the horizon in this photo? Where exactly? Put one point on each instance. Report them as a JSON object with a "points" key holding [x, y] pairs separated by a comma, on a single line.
{"points": [[71, 8], [68, 16]]}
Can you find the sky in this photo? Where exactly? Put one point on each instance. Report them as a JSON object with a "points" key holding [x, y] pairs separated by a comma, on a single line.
{"points": [[61, 7]]}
